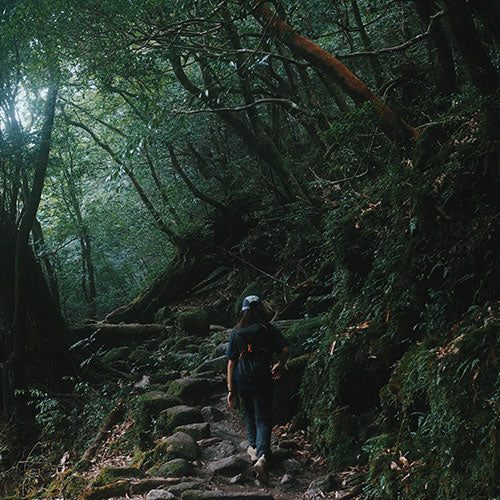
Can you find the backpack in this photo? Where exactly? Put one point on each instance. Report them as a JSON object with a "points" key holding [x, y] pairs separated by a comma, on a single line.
{"points": [[255, 348]]}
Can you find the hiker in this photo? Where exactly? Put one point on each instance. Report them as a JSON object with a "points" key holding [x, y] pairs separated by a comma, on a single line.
{"points": [[250, 377]]}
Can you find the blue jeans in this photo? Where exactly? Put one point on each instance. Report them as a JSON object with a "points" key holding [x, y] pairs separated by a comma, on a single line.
{"points": [[257, 407]]}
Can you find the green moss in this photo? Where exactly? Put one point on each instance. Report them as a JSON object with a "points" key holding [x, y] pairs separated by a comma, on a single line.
{"points": [[147, 408], [110, 474], [67, 485], [194, 322], [116, 354], [286, 391], [172, 468]]}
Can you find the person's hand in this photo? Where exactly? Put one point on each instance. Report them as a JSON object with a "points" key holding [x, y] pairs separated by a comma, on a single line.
{"points": [[232, 399], [278, 370]]}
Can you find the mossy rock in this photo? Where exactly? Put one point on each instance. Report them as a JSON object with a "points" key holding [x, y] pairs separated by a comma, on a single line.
{"points": [[162, 315], [116, 354], [150, 405], [110, 474], [178, 489], [178, 467], [178, 415], [286, 391], [178, 445], [67, 484], [163, 377], [141, 356], [217, 365], [182, 342], [194, 322], [196, 431], [190, 389]]}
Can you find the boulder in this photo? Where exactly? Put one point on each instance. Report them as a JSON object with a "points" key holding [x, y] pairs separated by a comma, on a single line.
{"points": [[117, 353], [216, 365], [178, 489], [149, 406], [164, 377], [212, 414], [179, 445], [222, 449], [175, 416], [196, 431], [178, 467], [194, 321], [190, 389], [141, 356], [228, 466], [220, 349], [159, 495]]}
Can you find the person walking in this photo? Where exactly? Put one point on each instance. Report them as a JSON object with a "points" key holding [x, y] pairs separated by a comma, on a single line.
{"points": [[250, 377]]}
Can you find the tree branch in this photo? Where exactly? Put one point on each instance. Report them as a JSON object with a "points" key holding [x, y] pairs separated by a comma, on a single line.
{"points": [[397, 48]]}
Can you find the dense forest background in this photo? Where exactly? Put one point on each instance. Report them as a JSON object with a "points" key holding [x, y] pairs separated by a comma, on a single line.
{"points": [[339, 157]]}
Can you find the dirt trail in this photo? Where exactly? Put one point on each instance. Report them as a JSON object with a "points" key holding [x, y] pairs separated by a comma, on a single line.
{"points": [[201, 453]]}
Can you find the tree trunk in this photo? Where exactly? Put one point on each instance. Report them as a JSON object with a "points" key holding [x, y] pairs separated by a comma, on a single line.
{"points": [[375, 65], [446, 81], [331, 66], [481, 71], [489, 10]]}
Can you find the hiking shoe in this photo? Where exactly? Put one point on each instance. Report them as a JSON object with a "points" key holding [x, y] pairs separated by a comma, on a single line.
{"points": [[253, 453], [260, 469]]}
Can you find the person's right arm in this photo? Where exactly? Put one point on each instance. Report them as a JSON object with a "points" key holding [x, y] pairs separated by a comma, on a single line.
{"points": [[231, 392]]}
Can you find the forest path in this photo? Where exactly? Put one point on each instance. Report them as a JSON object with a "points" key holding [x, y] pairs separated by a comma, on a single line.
{"points": [[201, 454]]}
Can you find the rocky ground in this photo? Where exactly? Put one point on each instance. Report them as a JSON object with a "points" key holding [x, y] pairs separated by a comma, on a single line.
{"points": [[190, 445]]}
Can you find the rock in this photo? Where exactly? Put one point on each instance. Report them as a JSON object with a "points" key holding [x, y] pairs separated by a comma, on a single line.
{"points": [[182, 342], [118, 353], [326, 483], [286, 479], [150, 405], [177, 467], [178, 489], [141, 356], [223, 449], [236, 479], [212, 414], [228, 466], [292, 466], [205, 443], [179, 445], [227, 495], [290, 444], [162, 314], [197, 431], [221, 349], [216, 364], [190, 389], [164, 377], [143, 382], [109, 474], [194, 321], [280, 454], [217, 328], [159, 495], [177, 415]]}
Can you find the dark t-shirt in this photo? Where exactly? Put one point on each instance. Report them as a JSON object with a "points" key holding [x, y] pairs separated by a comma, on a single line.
{"points": [[278, 342]]}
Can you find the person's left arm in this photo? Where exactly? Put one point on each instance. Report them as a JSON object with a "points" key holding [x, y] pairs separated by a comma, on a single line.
{"points": [[280, 366]]}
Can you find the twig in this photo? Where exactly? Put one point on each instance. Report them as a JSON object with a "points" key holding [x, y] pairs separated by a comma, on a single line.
{"points": [[396, 48]]}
